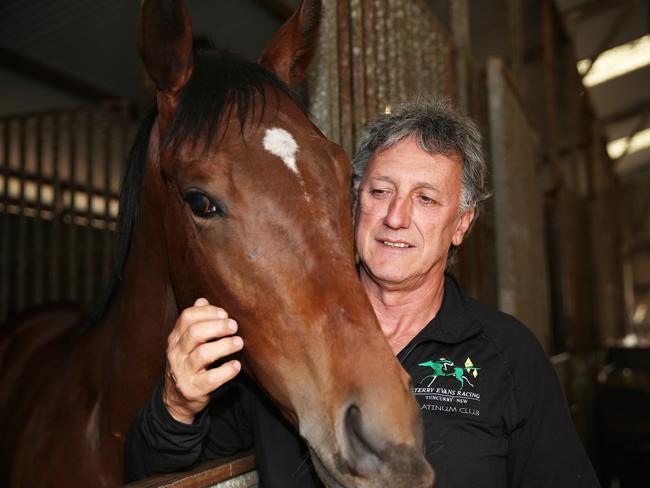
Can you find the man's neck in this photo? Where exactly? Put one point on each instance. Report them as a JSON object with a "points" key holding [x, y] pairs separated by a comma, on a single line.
{"points": [[404, 312]]}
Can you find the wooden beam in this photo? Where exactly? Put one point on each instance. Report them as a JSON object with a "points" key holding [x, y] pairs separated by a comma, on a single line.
{"points": [[590, 8], [635, 111], [206, 474], [52, 77]]}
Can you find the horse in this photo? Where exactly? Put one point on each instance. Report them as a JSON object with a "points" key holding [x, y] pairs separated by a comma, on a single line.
{"points": [[445, 367], [230, 193]]}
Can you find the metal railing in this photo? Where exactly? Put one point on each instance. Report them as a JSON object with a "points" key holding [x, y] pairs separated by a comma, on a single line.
{"points": [[60, 175]]}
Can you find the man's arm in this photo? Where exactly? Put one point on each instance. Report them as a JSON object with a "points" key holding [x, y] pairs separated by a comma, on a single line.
{"points": [[157, 443], [168, 433]]}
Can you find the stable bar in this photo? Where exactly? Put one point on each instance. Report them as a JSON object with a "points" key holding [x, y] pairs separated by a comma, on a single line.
{"points": [[72, 231], [89, 274], [21, 248], [358, 71], [55, 245], [4, 223], [107, 153], [345, 77], [38, 222], [461, 34]]}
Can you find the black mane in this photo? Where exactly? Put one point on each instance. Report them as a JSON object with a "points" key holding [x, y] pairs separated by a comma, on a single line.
{"points": [[220, 83]]}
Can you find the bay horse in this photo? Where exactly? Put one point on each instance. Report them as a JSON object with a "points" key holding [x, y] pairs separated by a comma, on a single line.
{"points": [[231, 193]]}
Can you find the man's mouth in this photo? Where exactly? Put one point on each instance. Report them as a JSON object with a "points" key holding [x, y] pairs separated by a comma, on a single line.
{"points": [[400, 245]]}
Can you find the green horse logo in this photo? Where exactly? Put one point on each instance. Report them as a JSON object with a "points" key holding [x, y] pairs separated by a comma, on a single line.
{"points": [[445, 367]]}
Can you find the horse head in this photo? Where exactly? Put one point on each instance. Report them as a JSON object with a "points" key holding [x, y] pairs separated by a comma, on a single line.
{"points": [[253, 205]]}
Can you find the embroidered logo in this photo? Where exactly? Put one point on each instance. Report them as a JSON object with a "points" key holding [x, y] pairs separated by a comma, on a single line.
{"points": [[445, 367], [441, 396]]}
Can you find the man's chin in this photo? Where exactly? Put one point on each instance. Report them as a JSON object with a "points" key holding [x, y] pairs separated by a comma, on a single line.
{"points": [[388, 277]]}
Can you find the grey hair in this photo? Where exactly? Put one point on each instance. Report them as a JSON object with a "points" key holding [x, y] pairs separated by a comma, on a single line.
{"points": [[438, 129]]}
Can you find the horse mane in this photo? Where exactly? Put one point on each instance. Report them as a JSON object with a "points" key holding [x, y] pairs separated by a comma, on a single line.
{"points": [[220, 83]]}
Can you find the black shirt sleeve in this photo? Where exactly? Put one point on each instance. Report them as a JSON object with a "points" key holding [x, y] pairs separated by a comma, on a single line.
{"points": [[545, 450], [157, 443]]}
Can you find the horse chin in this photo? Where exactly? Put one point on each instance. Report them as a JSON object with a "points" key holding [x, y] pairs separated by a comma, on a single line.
{"points": [[324, 474]]}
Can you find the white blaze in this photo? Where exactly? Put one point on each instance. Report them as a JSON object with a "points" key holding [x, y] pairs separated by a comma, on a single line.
{"points": [[282, 144]]}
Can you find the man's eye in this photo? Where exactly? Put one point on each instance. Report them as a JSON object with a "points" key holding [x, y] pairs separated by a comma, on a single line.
{"points": [[202, 206], [378, 192], [427, 200]]}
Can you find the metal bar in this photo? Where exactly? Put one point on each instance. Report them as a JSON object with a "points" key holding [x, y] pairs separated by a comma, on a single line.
{"points": [[516, 40], [370, 60], [638, 110], [358, 71], [54, 256], [550, 86], [38, 222], [31, 177], [72, 231], [391, 52], [89, 273], [107, 235], [345, 76], [582, 11], [461, 33], [399, 38], [4, 223], [21, 248], [379, 8]]}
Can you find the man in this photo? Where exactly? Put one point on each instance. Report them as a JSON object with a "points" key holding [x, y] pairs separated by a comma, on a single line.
{"points": [[493, 411]]}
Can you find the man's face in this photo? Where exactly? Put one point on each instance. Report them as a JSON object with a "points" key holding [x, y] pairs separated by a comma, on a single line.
{"points": [[408, 215]]}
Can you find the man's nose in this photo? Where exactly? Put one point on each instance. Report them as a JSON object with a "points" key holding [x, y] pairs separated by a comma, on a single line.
{"points": [[398, 215]]}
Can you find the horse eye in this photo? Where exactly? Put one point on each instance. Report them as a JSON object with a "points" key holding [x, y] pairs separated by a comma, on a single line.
{"points": [[202, 206]]}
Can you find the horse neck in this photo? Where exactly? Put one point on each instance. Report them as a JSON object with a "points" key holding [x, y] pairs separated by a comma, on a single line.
{"points": [[139, 319]]}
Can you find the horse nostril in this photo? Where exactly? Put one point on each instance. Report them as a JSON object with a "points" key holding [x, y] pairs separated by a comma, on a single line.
{"points": [[363, 457]]}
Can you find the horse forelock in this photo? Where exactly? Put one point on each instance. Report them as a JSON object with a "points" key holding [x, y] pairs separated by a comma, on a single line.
{"points": [[223, 85]]}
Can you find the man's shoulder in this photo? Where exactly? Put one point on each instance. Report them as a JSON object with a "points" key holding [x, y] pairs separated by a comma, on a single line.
{"points": [[505, 330]]}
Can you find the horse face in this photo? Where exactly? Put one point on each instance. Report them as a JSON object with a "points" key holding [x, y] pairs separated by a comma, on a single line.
{"points": [[276, 250], [259, 219]]}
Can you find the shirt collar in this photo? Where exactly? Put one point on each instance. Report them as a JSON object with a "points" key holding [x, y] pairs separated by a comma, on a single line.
{"points": [[453, 323]]}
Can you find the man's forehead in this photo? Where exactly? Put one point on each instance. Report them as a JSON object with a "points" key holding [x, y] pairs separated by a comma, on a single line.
{"points": [[416, 183]]}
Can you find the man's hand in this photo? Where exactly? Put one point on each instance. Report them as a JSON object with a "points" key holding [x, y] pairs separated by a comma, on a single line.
{"points": [[202, 335]]}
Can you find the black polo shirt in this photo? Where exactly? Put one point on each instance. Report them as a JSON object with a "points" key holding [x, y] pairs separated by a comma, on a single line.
{"points": [[493, 411]]}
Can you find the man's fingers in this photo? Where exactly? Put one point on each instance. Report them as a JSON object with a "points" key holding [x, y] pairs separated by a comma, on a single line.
{"points": [[216, 377], [197, 314], [200, 302], [205, 354], [201, 332]]}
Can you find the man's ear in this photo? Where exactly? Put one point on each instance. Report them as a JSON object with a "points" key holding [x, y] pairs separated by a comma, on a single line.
{"points": [[292, 48], [464, 223]]}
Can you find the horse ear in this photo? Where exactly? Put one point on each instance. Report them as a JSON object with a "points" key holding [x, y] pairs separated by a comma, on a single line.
{"points": [[165, 44], [292, 48]]}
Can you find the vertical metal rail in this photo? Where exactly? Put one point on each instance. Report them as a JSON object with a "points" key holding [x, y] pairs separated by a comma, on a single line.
{"points": [[38, 217], [107, 153], [125, 117], [345, 77], [461, 32], [550, 86], [89, 274], [57, 206], [21, 248], [72, 230], [4, 223], [516, 40]]}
